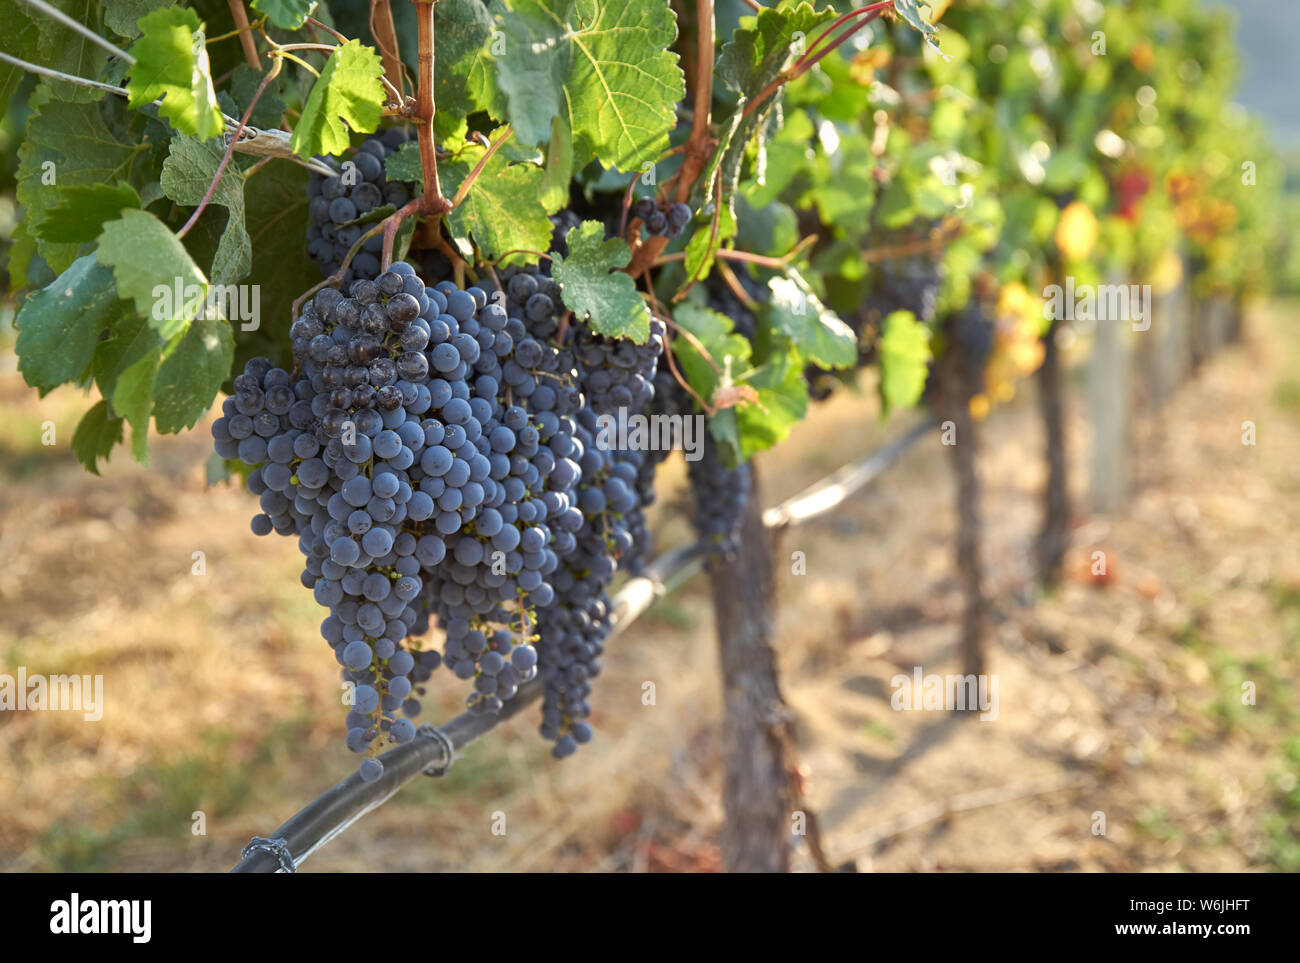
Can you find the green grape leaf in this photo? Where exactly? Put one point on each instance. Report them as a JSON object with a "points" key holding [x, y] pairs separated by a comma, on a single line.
{"points": [[270, 106], [67, 51], [133, 400], [127, 342], [761, 47], [33, 36], [186, 176], [904, 354], [726, 432], [531, 58], [463, 77], [67, 144], [172, 63], [176, 382], [123, 16], [776, 392], [276, 202], [404, 165], [910, 11], [782, 403], [711, 331], [59, 325], [22, 37], [154, 271], [285, 14], [606, 66], [194, 365], [593, 288], [788, 157], [765, 44], [559, 167], [846, 187], [349, 94], [815, 330], [772, 229], [503, 209], [703, 246], [82, 209], [97, 432]]}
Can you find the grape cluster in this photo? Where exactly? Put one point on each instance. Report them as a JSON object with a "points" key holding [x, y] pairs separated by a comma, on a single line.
{"points": [[335, 206], [329, 463], [662, 222], [908, 283], [615, 373], [959, 373], [670, 399], [972, 333], [725, 301], [575, 628], [436, 458], [413, 487], [562, 222], [600, 533], [720, 495]]}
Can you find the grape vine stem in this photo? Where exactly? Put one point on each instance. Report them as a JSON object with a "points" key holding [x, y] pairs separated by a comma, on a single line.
{"points": [[434, 204], [230, 147], [60, 75], [714, 228], [385, 34], [762, 260], [738, 289], [699, 146], [328, 29], [810, 59], [245, 36], [933, 244], [463, 190], [390, 225], [257, 25]]}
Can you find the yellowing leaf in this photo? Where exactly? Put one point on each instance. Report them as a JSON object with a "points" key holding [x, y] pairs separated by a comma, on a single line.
{"points": [[1076, 231]]}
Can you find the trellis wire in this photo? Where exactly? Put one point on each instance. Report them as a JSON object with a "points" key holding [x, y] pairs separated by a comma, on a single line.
{"points": [[434, 750]]}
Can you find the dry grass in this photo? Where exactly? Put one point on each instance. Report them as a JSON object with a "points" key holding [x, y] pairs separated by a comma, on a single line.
{"points": [[221, 697]]}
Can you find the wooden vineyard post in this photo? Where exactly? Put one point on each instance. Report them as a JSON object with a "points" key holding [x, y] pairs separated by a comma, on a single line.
{"points": [[1173, 342], [1219, 326], [969, 525], [1236, 311], [1109, 405], [1054, 536], [1198, 311], [758, 792], [958, 380]]}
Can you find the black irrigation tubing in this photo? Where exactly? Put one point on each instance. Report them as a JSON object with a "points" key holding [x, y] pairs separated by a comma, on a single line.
{"points": [[433, 750]]}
